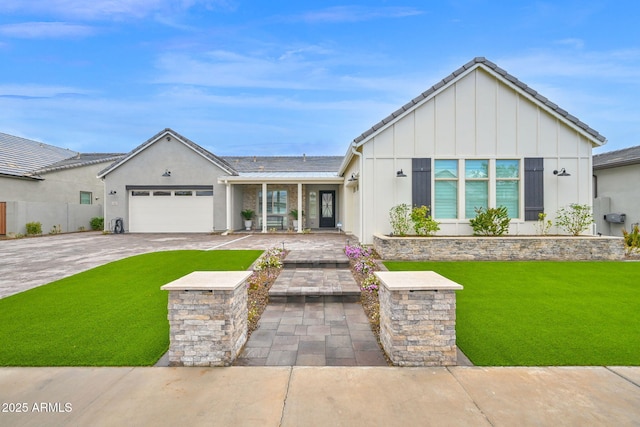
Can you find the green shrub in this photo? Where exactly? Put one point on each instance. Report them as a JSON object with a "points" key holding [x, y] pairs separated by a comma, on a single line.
{"points": [[400, 219], [97, 223], [575, 219], [543, 225], [632, 240], [423, 223], [34, 228], [490, 221]]}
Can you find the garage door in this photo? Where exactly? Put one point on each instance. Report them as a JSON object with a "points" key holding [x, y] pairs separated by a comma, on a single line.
{"points": [[170, 211]]}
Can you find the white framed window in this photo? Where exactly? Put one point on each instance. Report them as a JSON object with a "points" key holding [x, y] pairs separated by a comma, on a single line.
{"points": [[508, 186], [446, 189], [476, 186]]}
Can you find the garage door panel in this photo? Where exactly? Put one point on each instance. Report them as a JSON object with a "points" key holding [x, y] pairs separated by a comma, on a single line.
{"points": [[170, 214]]}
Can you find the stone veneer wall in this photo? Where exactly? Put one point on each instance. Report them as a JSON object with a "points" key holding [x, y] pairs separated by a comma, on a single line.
{"points": [[511, 248], [207, 327], [418, 327], [250, 200]]}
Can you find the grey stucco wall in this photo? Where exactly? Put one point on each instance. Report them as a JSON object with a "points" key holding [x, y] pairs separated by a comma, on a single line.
{"points": [[617, 191], [55, 200], [147, 167]]}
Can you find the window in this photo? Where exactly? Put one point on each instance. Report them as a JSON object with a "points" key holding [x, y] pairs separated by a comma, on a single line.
{"points": [[162, 193], [86, 197], [139, 193], [446, 189], [476, 191], [508, 186], [183, 193], [276, 202], [201, 193]]}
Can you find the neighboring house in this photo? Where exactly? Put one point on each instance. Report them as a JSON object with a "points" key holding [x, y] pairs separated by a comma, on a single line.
{"points": [[47, 184], [171, 184], [616, 178], [478, 138]]}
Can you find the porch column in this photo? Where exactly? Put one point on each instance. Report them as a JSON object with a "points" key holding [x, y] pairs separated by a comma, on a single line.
{"points": [[300, 216], [264, 207], [229, 210]]}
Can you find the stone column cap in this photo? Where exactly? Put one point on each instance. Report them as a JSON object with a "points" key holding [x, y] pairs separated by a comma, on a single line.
{"points": [[208, 281], [416, 281]]}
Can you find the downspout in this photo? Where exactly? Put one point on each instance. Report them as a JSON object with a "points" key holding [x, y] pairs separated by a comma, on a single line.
{"points": [[360, 195]]}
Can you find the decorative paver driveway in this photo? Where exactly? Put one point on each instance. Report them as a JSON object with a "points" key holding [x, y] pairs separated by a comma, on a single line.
{"points": [[30, 262]]}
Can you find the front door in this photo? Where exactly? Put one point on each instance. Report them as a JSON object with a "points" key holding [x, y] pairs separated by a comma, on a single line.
{"points": [[327, 208]]}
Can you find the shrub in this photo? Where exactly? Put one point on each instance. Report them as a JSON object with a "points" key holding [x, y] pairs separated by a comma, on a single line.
{"points": [[34, 228], [574, 219], [543, 225], [56, 229], [272, 258], [356, 251], [632, 240], [97, 223], [423, 223], [399, 217], [490, 222]]}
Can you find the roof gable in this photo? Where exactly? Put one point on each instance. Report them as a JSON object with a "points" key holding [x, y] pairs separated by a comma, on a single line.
{"points": [[502, 75], [169, 133]]}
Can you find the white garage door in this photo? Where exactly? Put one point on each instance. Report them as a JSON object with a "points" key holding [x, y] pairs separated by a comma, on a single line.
{"points": [[170, 211]]}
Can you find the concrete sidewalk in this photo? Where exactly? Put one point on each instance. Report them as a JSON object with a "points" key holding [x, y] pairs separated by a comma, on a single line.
{"points": [[321, 396]]}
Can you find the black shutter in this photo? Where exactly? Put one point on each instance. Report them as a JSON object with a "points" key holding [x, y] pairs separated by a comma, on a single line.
{"points": [[421, 182], [533, 188]]}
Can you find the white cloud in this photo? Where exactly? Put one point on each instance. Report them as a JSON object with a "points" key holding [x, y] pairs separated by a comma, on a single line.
{"points": [[108, 9], [340, 14], [38, 30], [40, 91]]}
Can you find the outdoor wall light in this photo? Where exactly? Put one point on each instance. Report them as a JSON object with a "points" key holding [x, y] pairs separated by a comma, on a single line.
{"points": [[400, 174], [561, 172], [353, 177], [112, 192], [167, 172]]}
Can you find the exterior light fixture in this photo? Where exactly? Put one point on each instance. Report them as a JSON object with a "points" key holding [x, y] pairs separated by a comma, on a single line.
{"points": [[400, 174], [112, 192], [561, 172], [353, 178], [167, 172]]}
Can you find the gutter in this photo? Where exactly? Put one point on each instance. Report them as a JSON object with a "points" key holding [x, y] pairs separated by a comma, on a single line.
{"points": [[355, 152]]}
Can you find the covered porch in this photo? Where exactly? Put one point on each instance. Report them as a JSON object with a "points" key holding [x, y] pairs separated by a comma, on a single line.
{"points": [[286, 201]]}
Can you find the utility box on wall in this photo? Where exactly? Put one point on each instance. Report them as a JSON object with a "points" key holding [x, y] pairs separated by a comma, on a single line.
{"points": [[617, 218]]}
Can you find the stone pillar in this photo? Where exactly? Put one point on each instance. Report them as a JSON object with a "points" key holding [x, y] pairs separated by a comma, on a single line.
{"points": [[208, 318], [418, 318]]}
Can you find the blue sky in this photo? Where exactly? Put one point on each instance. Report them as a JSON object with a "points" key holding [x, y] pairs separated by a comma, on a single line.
{"points": [[291, 77]]}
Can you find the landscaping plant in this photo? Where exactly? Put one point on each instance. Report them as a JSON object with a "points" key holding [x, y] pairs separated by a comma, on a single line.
{"points": [[423, 223], [400, 219], [575, 219], [34, 228], [97, 223], [632, 240], [543, 225], [490, 221]]}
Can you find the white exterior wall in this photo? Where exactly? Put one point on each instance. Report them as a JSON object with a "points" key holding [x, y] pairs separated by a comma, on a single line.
{"points": [[617, 192], [476, 117], [146, 169]]}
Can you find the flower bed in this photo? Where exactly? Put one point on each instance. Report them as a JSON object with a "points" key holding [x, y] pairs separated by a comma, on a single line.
{"points": [[265, 272]]}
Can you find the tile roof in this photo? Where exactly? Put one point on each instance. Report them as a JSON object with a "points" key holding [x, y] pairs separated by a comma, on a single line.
{"points": [[302, 163], [23, 157], [493, 67], [611, 159]]}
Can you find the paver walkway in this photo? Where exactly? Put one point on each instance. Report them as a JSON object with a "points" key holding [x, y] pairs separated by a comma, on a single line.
{"points": [[313, 317]]}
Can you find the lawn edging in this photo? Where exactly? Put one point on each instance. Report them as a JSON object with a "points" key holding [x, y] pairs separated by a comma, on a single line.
{"points": [[506, 248]]}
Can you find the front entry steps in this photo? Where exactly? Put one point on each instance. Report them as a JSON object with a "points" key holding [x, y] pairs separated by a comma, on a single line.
{"points": [[315, 276], [315, 259]]}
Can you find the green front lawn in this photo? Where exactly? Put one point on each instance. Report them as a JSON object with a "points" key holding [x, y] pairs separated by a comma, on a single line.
{"points": [[112, 315], [544, 313]]}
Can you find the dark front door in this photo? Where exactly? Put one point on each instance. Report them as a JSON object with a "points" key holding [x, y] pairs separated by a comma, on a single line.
{"points": [[327, 208]]}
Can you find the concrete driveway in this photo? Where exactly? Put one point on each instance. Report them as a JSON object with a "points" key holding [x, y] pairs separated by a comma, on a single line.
{"points": [[27, 263]]}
